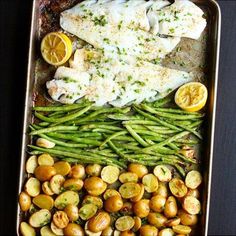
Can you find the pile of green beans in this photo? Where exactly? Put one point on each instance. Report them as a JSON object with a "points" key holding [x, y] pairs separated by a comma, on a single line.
{"points": [[148, 133]]}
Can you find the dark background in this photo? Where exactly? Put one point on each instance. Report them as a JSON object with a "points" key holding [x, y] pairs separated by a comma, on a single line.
{"points": [[14, 35]]}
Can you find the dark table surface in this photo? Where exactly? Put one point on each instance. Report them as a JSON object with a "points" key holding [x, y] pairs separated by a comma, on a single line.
{"points": [[15, 20]]}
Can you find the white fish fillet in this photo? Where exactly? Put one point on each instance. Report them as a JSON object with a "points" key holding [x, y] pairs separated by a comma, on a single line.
{"points": [[105, 80], [99, 31], [182, 19]]}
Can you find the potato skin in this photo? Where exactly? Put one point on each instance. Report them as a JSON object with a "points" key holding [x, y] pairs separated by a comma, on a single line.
{"points": [[186, 218], [73, 229], [141, 208], [148, 230], [60, 219], [171, 208], [24, 201], [73, 184], [113, 204], [44, 173], [93, 169], [95, 186], [99, 222], [77, 171], [72, 212], [156, 219], [138, 169], [157, 203]]}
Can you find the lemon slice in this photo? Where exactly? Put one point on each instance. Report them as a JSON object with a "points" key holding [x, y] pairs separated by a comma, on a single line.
{"points": [[56, 48], [191, 96]]}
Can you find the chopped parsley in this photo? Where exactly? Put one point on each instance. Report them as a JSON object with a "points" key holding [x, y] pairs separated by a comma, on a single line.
{"points": [[101, 20]]}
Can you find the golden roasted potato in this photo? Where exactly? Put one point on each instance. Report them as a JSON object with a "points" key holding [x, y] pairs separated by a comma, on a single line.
{"points": [[166, 232], [93, 169], [141, 208], [138, 169], [137, 223], [99, 222], [157, 203], [24, 201], [66, 198], [77, 171], [45, 160], [186, 218], [178, 188], [110, 193], [113, 204], [44, 173], [43, 201], [129, 190], [40, 218], [95, 186], [192, 205], [32, 187], [139, 196], [62, 168], [73, 184], [60, 219], [94, 200], [87, 211], [124, 223], [156, 219], [148, 230], [73, 229], [128, 177], [162, 190], [56, 183], [171, 208], [110, 174], [150, 183], [26, 229], [72, 212]]}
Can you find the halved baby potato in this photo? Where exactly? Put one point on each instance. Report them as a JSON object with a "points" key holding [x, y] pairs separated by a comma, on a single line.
{"points": [[110, 174], [192, 205], [166, 232], [46, 188], [139, 169], [73, 184], [44, 173], [72, 212], [95, 186], [110, 193], [43, 201], [93, 169], [99, 222], [140, 195], [129, 190], [186, 218], [173, 222], [128, 177], [124, 223], [87, 211], [163, 173], [57, 231], [40, 218], [90, 233], [182, 229], [45, 159], [108, 231], [171, 208], [150, 183], [32, 187], [46, 231], [31, 164], [137, 223], [177, 187], [24, 201], [26, 229], [193, 179], [56, 183], [157, 203], [97, 201], [44, 143], [62, 168], [60, 219], [65, 198]]}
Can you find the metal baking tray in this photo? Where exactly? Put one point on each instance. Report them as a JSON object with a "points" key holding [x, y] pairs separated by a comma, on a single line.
{"points": [[34, 93]]}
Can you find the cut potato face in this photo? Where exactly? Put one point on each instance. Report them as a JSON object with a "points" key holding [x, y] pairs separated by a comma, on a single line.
{"points": [[87, 211], [128, 177], [65, 198], [24, 201], [110, 174], [73, 184], [163, 173], [40, 218], [94, 200], [177, 187], [72, 212], [124, 223], [182, 229], [26, 229], [162, 190], [99, 222], [47, 189], [173, 222], [193, 179], [56, 183], [62, 168], [60, 219], [57, 231], [137, 223], [46, 231], [192, 205], [186, 218], [45, 159], [110, 193], [140, 195], [156, 219], [107, 232], [43, 201], [31, 164], [129, 190], [32, 187], [166, 232], [44, 143], [150, 183]]}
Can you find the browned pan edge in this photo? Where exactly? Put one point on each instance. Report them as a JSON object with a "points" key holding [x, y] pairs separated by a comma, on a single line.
{"points": [[213, 64]]}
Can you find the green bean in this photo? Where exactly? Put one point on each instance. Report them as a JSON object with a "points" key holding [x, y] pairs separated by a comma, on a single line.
{"points": [[52, 129], [169, 115], [162, 122], [191, 130], [62, 119], [136, 136], [161, 102], [103, 131], [151, 133], [139, 127], [161, 131], [123, 117], [75, 138], [153, 138], [115, 149], [173, 146], [196, 123], [189, 160], [178, 111], [167, 141], [44, 124], [139, 122], [112, 137], [61, 108], [94, 126]]}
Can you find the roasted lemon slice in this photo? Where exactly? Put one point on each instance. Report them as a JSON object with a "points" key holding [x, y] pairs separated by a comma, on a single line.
{"points": [[56, 48], [191, 96]]}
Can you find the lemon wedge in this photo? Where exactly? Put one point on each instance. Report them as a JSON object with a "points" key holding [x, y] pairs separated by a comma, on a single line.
{"points": [[56, 48], [191, 96]]}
